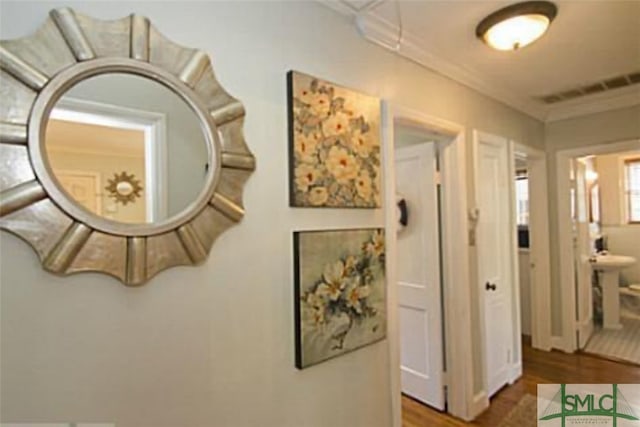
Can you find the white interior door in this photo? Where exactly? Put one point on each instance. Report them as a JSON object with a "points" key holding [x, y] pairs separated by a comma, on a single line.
{"points": [[582, 253], [419, 293], [494, 258]]}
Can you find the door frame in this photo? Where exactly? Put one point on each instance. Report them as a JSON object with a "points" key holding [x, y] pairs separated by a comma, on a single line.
{"points": [[539, 245], [584, 327], [455, 275], [568, 342]]}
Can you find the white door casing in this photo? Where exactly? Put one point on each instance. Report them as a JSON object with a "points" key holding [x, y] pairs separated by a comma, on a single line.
{"points": [[418, 273], [462, 401], [539, 249], [84, 187], [582, 252], [495, 252]]}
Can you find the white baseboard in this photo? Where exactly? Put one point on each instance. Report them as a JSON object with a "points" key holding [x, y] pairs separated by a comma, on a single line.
{"points": [[558, 343], [515, 372], [479, 405]]}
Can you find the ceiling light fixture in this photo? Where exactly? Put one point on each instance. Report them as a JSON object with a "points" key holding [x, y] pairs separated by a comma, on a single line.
{"points": [[516, 26]]}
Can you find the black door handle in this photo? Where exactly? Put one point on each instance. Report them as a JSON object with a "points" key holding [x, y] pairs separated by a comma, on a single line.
{"points": [[490, 286]]}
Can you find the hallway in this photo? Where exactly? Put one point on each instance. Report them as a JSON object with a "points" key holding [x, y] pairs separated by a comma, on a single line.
{"points": [[539, 367]]}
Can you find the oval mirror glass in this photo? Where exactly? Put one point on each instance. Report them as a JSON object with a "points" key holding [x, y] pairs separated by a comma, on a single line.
{"points": [[127, 148]]}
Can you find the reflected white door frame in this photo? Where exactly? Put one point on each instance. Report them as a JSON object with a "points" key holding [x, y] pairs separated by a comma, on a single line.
{"points": [[152, 124]]}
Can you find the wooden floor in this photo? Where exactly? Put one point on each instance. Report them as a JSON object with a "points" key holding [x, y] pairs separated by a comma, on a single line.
{"points": [[539, 367]]}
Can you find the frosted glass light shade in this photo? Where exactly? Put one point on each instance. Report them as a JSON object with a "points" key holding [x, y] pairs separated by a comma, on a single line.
{"points": [[516, 32], [516, 26]]}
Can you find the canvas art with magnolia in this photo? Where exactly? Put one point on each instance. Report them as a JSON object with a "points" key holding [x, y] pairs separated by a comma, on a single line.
{"points": [[340, 292], [334, 145]]}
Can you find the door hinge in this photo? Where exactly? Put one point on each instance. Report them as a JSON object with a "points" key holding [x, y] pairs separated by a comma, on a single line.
{"points": [[438, 178], [445, 379]]}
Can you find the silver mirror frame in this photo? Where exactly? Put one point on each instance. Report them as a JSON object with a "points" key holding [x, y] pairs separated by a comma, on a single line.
{"points": [[35, 72]]}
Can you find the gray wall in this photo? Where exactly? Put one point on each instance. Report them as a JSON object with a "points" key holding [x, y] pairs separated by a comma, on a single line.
{"points": [[213, 345]]}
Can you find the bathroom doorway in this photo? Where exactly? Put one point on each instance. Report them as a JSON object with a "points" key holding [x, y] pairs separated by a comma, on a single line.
{"points": [[600, 231]]}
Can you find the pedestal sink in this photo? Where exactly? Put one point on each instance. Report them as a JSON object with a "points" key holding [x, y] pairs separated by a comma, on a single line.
{"points": [[608, 268]]}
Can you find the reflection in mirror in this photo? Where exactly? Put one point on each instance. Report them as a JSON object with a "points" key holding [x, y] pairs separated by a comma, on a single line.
{"points": [[127, 148]]}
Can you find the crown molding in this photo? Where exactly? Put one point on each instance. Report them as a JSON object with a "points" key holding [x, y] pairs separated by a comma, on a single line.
{"points": [[385, 34], [597, 103], [350, 8]]}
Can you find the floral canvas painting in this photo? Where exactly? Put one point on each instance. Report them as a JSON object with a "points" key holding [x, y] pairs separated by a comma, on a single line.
{"points": [[334, 145], [340, 302]]}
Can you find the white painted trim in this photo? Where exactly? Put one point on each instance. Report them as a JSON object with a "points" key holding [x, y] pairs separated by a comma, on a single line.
{"points": [[558, 343], [515, 372], [456, 274], [539, 248], [565, 242], [385, 34], [585, 328], [457, 302], [393, 326], [597, 103], [154, 126], [516, 332], [480, 403], [340, 6]]}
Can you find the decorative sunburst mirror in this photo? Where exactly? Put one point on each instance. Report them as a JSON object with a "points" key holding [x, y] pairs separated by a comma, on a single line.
{"points": [[127, 96], [124, 188]]}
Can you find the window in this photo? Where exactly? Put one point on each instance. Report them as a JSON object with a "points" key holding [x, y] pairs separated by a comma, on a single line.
{"points": [[632, 189]]}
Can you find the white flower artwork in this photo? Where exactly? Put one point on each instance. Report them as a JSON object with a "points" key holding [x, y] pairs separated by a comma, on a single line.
{"points": [[334, 146], [339, 292]]}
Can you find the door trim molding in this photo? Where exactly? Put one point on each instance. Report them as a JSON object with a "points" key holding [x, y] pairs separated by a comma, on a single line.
{"points": [[480, 402], [558, 343], [457, 287], [515, 362], [539, 250], [515, 372], [565, 254]]}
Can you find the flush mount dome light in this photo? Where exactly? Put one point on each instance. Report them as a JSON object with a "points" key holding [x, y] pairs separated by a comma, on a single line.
{"points": [[517, 25]]}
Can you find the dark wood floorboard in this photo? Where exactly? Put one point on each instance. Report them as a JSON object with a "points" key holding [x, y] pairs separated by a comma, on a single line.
{"points": [[539, 367]]}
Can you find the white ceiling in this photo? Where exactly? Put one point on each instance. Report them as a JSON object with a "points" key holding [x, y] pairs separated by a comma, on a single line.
{"points": [[589, 41]]}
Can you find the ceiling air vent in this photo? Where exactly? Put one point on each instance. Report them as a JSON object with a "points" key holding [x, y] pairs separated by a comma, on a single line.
{"points": [[593, 87]]}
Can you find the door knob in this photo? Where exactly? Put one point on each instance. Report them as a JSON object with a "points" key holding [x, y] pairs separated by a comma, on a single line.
{"points": [[490, 286]]}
